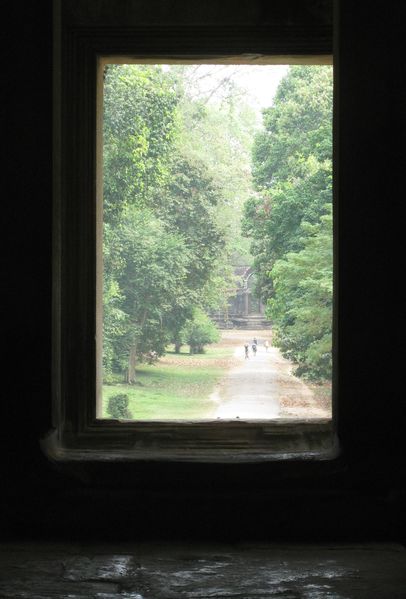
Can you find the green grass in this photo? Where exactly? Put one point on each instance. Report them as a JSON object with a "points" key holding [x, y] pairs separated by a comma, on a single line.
{"points": [[172, 391]]}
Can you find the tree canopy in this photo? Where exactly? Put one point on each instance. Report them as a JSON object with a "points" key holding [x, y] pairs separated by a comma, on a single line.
{"points": [[302, 302], [292, 171], [139, 130], [168, 247]]}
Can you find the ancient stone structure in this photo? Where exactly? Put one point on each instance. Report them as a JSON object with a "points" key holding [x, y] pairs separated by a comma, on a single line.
{"points": [[244, 309]]}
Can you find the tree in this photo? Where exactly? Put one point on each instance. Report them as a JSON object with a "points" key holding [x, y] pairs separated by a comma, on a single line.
{"points": [[301, 307], [217, 128], [139, 131], [289, 217], [138, 134], [292, 167], [189, 206], [296, 127], [199, 331], [169, 227], [152, 280]]}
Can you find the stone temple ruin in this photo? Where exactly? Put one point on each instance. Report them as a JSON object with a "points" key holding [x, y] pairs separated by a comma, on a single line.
{"points": [[244, 309]]}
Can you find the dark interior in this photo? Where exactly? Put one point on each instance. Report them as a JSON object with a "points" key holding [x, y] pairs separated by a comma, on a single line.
{"points": [[358, 497]]}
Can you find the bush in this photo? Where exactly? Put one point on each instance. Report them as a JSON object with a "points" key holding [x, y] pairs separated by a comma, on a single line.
{"points": [[199, 331], [118, 406]]}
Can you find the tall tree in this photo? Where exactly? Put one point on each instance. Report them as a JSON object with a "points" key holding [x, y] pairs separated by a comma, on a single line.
{"points": [[189, 205], [152, 281], [292, 168], [287, 218], [164, 245], [139, 128], [301, 307], [217, 131]]}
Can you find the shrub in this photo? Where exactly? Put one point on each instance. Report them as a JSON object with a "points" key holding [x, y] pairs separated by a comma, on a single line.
{"points": [[118, 406], [199, 331]]}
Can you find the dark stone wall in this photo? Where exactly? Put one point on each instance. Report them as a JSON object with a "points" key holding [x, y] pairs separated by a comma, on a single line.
{"points": [[360, 497]]}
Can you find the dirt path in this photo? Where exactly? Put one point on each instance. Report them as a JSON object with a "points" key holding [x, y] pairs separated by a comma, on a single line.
{"points": [[262, 386]]}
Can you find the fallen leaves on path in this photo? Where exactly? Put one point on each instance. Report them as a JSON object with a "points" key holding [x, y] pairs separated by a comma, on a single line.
{"points": [[196, 362]]}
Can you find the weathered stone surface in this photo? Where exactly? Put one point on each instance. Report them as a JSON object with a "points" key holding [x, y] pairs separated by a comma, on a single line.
{"points": [[152, 571]]}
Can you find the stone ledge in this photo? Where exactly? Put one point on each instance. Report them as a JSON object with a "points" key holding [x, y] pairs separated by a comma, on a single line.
{"points": [[186, 571]]}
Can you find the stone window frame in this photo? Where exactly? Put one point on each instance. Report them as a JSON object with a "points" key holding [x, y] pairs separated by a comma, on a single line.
{"points": [[84, 35]]}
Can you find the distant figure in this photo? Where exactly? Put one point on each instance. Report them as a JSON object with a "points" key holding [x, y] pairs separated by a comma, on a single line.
{"points": [[254, 348], [254, 341], [266, 345], [246, 346]]}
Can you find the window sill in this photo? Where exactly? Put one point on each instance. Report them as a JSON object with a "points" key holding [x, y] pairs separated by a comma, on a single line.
{"points": [[205, 442]]}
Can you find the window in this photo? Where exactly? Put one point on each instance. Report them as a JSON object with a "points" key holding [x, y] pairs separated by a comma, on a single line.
{"points": [[203, 194], [83, 43]]}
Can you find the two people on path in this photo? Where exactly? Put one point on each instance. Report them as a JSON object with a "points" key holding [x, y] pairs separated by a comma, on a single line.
{"points": [[254, 347]]}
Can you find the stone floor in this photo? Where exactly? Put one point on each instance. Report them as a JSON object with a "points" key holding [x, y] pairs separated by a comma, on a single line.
{"points": [[167, 571]]}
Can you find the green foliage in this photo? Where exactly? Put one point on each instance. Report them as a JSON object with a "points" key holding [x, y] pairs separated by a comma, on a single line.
{"points": [[152, 281], [118, 406], [166, 245], [296, 127], [176, 178], [217, 132], [292, 167], [115, 323], [188, 205], [199, 331], [139, 131], [301, 307], [289, 217]]}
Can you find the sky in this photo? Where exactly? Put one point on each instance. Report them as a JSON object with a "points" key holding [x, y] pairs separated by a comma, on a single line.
{"points": [[260, 81]]}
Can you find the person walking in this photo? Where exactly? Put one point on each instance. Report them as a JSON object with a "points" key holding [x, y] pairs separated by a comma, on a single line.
{"points": [[254, 349], [246, 346], [266, 345]]}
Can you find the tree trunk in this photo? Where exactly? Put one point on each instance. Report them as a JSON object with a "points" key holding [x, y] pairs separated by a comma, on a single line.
{"points": [[177, 348], [131, 365], [132, 359]]}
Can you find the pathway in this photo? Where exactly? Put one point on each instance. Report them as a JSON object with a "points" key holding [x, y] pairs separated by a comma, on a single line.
{"points": [[260, 387]]}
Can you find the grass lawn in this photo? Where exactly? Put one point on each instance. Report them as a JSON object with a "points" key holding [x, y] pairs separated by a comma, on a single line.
{"points": [[178, 387]]}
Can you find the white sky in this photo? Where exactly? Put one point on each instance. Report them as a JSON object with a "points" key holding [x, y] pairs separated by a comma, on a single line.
{"points": [[260, 81]]}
